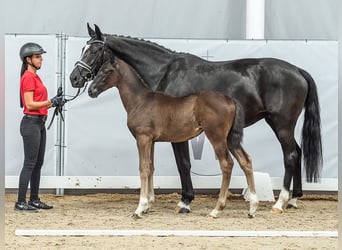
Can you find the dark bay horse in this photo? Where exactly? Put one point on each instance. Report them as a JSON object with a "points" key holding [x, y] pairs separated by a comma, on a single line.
{"points": [[266, 88], [157, 117]]}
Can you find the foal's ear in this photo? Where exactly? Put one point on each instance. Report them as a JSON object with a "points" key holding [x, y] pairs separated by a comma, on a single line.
{"points": [[91, 32], [98, 32]]}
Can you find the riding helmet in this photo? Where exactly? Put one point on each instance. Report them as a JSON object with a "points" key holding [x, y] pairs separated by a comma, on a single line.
{"points": [[29, 49]]}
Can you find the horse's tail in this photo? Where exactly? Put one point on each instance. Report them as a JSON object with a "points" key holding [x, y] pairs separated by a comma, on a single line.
{"points": [[236, 133], [311, 132]]}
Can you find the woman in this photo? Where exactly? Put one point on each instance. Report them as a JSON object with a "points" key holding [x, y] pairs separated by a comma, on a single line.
{"points": [[35, 103]]}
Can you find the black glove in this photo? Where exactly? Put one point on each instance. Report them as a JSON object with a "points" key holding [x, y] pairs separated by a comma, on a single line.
{"points": [[57, 101]]}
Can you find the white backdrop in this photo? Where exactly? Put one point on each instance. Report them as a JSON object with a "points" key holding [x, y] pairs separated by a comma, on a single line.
{"points": [[98, 142]]}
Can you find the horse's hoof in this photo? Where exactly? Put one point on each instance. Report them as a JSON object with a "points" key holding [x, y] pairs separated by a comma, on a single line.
{"points": [[251, 216], [291, 206], [276, 210], [182, 210]]}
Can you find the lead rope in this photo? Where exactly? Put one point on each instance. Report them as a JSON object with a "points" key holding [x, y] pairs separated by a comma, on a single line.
{"points": [[59, 108]]}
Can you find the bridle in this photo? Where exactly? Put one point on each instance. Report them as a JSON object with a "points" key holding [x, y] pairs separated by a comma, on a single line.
{"points": [[90, 70]]}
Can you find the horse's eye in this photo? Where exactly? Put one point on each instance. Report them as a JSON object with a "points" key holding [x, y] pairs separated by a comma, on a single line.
{"points": [[88, 75]]}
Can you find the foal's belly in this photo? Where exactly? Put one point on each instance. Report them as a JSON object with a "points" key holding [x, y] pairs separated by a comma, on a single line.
{"points": [[166, 118], [176, 134]]}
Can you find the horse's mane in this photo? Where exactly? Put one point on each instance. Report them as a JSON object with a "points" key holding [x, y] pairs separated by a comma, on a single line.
{"points": [[142, 41], [134, 72]]}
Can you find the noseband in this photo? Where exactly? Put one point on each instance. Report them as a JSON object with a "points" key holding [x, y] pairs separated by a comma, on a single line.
{"points": [[90, 69]]}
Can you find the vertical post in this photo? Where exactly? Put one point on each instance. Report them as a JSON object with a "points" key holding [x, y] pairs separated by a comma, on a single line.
{"points": [[255, 19], [340, 119], [60, 136], [2, 129]]}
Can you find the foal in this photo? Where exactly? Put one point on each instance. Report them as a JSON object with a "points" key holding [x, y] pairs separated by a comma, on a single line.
{"points": [[154, 116]]}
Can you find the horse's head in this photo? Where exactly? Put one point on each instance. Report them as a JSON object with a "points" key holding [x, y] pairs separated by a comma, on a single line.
{"points": [[107, 77], [92, 57]]}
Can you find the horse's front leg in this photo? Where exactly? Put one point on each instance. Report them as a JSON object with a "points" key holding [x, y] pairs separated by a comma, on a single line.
{"points": [[182, 156], [144, 144]]}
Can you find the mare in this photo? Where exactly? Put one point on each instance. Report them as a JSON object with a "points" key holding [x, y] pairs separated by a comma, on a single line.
{"points": [[157, 117], [266, 88]]}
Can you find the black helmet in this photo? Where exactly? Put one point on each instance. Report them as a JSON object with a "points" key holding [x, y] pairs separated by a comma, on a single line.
{"points": [[29, 49]]}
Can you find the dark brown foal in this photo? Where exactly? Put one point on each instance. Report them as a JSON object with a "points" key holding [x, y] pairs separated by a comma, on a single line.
{"points": [[154, 116]]}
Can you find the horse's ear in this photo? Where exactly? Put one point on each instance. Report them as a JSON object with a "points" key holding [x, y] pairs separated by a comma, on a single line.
{"points": [[91, 32], [98, 32]]}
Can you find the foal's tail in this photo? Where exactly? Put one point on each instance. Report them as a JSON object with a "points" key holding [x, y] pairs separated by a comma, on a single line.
{"points": [[311, 132], [236, 133]]}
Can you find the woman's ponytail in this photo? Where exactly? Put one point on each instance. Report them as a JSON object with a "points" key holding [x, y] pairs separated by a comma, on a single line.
{"points": [[23, 69]]}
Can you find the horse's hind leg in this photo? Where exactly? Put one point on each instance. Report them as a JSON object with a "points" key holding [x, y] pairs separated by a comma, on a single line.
{"points": [[297, 181], [182, 156], [245, 162], [292, 162], [292, 158]]}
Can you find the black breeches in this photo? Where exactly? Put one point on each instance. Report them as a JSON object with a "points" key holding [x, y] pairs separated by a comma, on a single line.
{"points": [[33, 133]]}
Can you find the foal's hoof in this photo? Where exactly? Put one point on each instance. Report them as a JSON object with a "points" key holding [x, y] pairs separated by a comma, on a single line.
{"points": [[251, 216], [276, 210], [182, 210], [213, 214], [136, 216]]}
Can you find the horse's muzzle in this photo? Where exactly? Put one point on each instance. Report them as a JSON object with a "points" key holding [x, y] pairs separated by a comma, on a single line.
{"points": [[76, 80]]}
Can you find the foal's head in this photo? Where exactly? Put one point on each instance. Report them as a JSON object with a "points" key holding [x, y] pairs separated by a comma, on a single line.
{"points": [[108, 76]]}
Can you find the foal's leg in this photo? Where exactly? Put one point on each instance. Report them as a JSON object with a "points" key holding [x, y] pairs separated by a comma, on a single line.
{"points": [[182, 156], [226, 164], [144, 144], [245, 162], [150, 178]]}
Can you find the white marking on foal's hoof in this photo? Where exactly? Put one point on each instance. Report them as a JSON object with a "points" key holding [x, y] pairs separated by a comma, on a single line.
{"points": [[182, 208], [253, 205], [213, 214]]}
